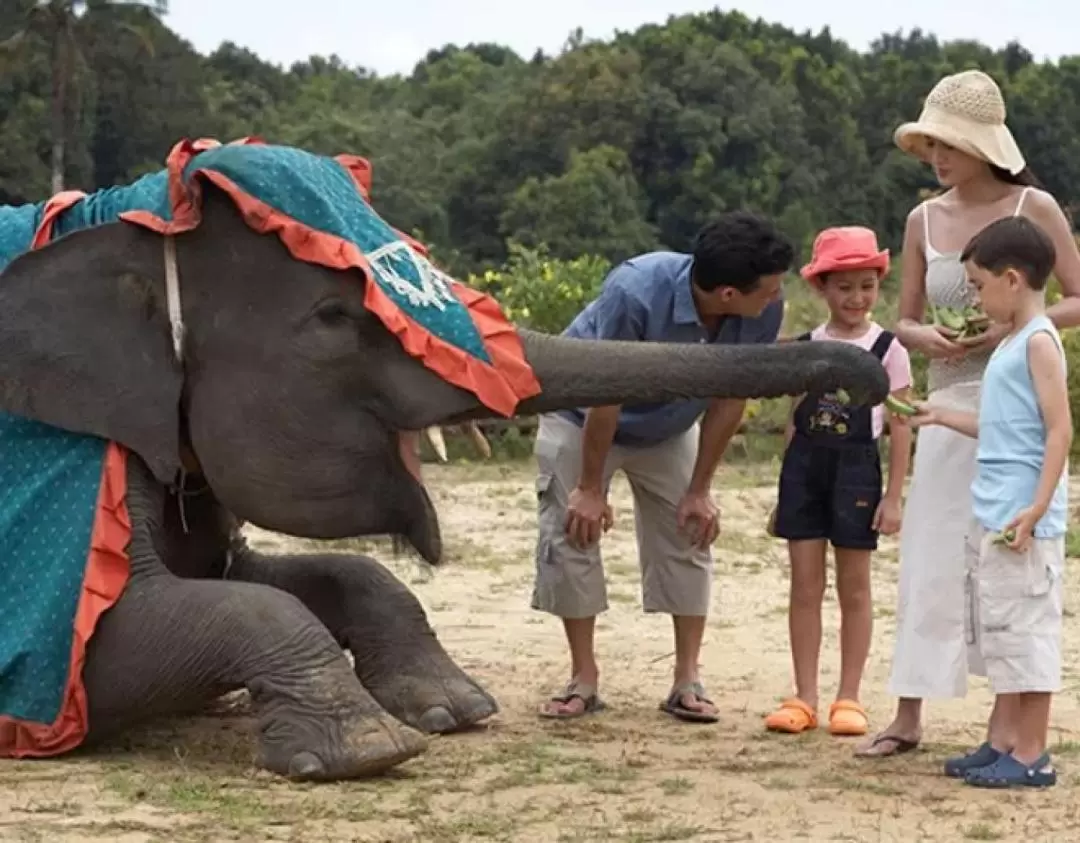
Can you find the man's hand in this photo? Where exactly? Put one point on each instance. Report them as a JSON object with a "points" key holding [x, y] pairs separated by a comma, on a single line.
{"points": [[888, 516], [698, 514], [587, 516]]}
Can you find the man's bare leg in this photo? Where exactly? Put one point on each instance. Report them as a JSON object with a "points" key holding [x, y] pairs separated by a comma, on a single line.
{"points": [[689, 634], [584, 671]]}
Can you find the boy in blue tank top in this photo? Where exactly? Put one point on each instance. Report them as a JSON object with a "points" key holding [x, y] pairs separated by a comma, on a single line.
{"points": [[1016, 542]]}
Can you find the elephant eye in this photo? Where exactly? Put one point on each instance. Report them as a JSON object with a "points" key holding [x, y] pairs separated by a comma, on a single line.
{"points": [[332, 312]]}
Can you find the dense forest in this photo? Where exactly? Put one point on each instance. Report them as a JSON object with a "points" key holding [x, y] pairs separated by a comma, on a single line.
{"points": [[608, 148]]}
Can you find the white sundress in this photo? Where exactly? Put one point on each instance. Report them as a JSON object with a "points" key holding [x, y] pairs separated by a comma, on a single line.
{"points": [[930, 659]]}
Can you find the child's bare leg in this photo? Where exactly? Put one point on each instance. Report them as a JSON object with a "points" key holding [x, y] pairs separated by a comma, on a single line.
{"points": [[1001, 730], [856, 618], [1031, 723], [804, 614]]}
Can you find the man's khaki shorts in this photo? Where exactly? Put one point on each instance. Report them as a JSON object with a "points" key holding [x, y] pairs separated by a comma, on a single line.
{"points": [[676, 577], [1013, 613]]}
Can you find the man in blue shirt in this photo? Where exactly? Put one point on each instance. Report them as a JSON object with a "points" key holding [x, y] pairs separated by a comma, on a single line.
{"points": [[727, 291]]}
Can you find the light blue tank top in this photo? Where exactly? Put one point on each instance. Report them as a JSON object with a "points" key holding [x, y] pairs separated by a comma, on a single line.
{"points": [[1012, 439]]}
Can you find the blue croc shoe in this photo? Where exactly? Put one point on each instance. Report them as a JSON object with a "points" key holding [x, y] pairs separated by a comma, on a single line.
{"points": [[1008, 772], [984, 756]]}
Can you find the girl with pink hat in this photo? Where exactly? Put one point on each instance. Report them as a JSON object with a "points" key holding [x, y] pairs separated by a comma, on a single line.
{"points": [[831, 485], [962, 134]]}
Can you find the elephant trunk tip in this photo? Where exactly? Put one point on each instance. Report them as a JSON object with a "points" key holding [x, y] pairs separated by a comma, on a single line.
{"points": [[402, 547]]}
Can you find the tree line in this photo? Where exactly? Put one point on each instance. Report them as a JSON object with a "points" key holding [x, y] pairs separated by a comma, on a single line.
{"points": [[606, 149]]}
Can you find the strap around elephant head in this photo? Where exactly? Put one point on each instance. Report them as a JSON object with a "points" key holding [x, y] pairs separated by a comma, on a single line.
{"points": [[172, 298]]}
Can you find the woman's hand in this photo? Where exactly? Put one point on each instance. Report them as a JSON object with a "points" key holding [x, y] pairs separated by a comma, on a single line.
{"points": [[935, 341], [987, 341]]}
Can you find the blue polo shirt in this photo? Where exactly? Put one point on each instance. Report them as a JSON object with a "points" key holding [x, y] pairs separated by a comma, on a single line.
{"points": [[648, 299]]}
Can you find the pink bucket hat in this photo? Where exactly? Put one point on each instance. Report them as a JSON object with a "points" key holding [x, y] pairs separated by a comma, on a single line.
{"points": [[846, 247]]}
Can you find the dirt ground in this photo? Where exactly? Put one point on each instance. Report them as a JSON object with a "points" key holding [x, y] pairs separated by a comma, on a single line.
{"points": [[629, 774]]}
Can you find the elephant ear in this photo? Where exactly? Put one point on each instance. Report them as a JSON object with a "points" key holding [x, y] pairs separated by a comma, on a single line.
{"points": [[85, 342]]}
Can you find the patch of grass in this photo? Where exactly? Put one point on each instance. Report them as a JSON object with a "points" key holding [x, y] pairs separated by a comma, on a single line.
{"points": [[1072, 542], [677, 785], [655, 834], [1065, 748], [479, 825], [192, 793], [982, 831], [864, 784]]}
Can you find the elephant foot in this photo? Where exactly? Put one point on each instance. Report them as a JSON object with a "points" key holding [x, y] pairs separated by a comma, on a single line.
{"points": [[436, 699], [316, 750]]}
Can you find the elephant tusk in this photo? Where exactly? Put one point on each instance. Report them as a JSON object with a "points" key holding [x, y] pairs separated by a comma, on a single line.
{"points": [[435, 437], [482, 445]]}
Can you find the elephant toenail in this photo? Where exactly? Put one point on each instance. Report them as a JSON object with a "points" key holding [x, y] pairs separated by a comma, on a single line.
{"points": [[481, 709], [306, 765], [436, 720]]}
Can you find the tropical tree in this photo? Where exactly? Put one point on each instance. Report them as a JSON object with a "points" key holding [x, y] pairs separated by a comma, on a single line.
{"points": [[57, 22]]}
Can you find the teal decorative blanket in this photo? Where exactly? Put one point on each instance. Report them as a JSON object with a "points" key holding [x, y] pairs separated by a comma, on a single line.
{"points": [[62, 552], [49, 484]]}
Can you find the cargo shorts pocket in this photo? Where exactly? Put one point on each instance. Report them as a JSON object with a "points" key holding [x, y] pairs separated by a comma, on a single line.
{"points": [[1014, 599], [545, 518], [971, 617]]}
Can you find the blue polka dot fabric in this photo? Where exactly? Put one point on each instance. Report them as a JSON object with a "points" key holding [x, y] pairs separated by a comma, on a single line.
{"points": [[320, 193], [49, 481]]}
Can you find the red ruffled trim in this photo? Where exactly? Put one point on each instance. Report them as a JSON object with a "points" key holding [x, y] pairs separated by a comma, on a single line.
{"points": [[500, 385], [107, 573], [53, 208]]}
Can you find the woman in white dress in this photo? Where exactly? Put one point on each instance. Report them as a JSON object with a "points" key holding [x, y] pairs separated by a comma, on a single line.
{"points": [[962, 134]]}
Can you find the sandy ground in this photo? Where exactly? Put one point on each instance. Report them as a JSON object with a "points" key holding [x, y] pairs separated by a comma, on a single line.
{"points": [[629, 774]]}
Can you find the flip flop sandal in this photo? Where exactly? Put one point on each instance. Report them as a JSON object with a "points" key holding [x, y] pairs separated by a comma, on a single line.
{"points": [[574, 691], [793, 717], [673, 704], [847, 719], [903, 745]]}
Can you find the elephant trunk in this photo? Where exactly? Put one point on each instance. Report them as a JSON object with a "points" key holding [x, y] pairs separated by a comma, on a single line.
{"points": [[585, 373]]}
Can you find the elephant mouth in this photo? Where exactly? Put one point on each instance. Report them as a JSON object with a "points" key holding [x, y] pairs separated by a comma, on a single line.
{"points": [[423, 534], [409, 451]]}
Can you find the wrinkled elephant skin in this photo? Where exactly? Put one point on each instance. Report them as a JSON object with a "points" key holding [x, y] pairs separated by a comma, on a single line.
{"points": [[290, 405]]}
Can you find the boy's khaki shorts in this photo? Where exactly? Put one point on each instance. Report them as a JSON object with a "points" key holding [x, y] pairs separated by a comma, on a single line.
{"points": [[676, 578], [1013, 613]]}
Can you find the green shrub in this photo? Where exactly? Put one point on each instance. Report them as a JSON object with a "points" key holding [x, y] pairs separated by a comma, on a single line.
{"points": [[540, 292]]}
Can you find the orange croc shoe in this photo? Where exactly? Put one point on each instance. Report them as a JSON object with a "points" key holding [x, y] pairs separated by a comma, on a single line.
{"points": [[794, 716], [847, 718]]}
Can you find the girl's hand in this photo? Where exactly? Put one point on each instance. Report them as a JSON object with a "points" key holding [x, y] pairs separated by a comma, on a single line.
{"points": [[888, 517]]}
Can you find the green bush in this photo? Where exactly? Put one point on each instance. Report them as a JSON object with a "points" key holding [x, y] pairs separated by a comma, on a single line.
{"points": [[540, 292]]}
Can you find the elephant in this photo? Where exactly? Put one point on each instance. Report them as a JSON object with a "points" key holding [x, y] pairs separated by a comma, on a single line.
{"points": [[289, 409]]}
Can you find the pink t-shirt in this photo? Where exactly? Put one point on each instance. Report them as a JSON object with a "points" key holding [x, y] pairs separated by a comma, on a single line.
{"points": [[897, 363]]}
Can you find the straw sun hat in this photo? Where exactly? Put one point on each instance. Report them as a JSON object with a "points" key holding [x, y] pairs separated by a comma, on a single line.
{"points": [[965, 111]]}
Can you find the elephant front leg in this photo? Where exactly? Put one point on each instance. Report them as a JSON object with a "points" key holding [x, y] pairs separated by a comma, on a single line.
{"points": [[170, 645], [398, 657]]}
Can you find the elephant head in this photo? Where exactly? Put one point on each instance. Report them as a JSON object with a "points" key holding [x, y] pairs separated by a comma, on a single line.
{"points": [[290, 397]]}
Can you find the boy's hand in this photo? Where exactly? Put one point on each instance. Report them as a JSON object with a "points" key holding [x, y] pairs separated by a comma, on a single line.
{"points": [[1023, 526], [925, 415], [888, 516]]}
